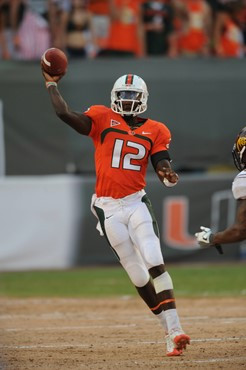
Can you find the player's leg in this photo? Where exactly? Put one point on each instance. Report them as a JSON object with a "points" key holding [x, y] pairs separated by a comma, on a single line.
{"points": [[164, 290], [144, 232], [117, 235]]}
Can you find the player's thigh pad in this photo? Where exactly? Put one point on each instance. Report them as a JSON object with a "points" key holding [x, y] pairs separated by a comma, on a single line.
{"points": [[144, 236], [133, 263], [117, 232], [118, 236]]}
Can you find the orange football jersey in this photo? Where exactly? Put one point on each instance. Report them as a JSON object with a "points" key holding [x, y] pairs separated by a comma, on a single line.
{"points": [[121, 154]]}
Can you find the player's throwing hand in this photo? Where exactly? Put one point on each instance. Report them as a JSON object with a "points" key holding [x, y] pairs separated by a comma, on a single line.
{"points": [[49, 78]]}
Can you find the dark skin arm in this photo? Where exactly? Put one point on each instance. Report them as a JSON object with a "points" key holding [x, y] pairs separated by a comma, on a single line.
{"points": [[236, 232], [78, 121], [164, 170]]}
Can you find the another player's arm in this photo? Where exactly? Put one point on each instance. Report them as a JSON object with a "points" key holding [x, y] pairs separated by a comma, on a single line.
{"points": [[78, 121], [236, 232], [233, 234]]}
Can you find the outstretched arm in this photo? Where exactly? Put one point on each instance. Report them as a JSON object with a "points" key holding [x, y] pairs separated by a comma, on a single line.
{"points": [[236, 232], [78, 121], [233, 234]]}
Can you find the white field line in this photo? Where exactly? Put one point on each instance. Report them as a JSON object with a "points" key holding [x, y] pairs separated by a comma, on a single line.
{"points": [[211, 360], [54, 328], [225, 339], [83, 327], [105, 344], [81, 316], [230, 320]]}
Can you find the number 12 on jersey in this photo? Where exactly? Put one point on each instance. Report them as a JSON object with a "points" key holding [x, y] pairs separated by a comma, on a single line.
{"points": [[119, 159]]}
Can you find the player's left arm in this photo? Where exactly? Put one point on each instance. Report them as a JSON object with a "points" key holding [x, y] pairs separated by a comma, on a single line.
{"points": [[166, 174], [161, 163], [160, 158]]}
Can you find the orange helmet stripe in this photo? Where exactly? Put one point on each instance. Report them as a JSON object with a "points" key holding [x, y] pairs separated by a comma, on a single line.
{"points": [[129, 79]]}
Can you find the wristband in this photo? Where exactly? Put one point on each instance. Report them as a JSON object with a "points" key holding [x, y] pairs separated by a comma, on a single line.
{"points": [[50, 83], [168, 183], [211, 236]]}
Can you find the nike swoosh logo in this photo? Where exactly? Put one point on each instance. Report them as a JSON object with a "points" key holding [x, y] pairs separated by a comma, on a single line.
{"points": [[146, 133], [108, 217], [205, 238]]}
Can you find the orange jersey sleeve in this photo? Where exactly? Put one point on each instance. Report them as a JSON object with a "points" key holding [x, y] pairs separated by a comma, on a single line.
{"points": [[162, 139], [96, 113], [121, 154]]}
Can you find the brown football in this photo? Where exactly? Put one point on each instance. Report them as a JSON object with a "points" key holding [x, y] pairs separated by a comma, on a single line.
{"points": [[54, 62]]}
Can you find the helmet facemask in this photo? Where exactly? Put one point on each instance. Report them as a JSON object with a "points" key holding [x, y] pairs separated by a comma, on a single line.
{"points": [[128, 102]]}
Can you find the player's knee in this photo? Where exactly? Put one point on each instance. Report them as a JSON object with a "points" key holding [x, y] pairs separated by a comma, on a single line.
{"points": [[149, 245], [139, 275], [137, 272], [151, 252], [152, 257]]}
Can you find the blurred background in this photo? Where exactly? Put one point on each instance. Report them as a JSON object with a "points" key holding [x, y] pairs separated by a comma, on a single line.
{"points": [[191, 53]]}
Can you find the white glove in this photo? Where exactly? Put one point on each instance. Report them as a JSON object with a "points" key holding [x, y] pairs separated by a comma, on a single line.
{"points": [[204, 237]]}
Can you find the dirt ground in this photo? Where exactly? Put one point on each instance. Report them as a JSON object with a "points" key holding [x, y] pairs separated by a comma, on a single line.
{"points": [[118, 333]]}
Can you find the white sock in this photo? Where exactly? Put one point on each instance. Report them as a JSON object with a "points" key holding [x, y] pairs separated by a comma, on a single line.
{"points": [[162, 318], [172, 320]]}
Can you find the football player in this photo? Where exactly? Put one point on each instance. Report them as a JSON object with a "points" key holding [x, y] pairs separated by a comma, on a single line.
{"points": [[123, 144], [237, 231]]}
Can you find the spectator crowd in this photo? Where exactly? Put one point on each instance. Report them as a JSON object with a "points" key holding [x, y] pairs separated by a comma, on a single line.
{"points": [[135, 28]]}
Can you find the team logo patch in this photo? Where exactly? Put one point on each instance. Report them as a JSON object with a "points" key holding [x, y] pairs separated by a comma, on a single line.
{"points": [[130, 132], [114, 123], [241, 142]]}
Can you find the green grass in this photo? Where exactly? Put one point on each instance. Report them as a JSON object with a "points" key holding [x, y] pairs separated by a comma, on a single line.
{"points": [[192, 281]]}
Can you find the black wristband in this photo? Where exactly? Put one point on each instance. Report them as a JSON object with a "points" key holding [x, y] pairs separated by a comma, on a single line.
{"points": [[211, 237]]}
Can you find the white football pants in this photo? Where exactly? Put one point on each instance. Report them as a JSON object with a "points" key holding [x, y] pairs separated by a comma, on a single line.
{"points": [[131, 230]]}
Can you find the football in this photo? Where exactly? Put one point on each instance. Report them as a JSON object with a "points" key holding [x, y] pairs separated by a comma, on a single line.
{"points": [[54, 62]]}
